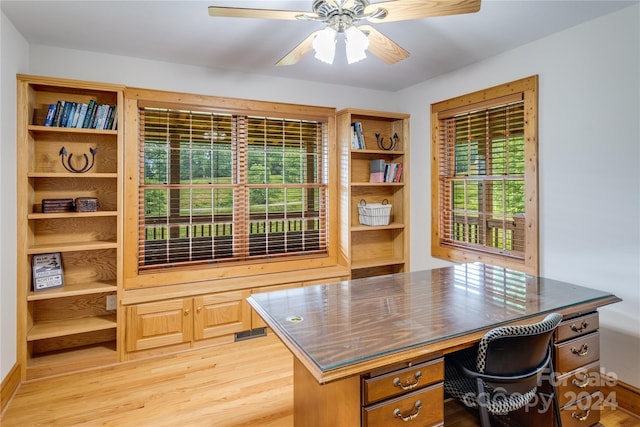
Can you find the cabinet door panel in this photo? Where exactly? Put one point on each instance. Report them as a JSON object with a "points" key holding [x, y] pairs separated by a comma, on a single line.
{"points": [[221, 314], [158, 324]]}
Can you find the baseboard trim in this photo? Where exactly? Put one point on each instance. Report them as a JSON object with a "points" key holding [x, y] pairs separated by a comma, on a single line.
{"points": [[622, 395], [627, 397], [9, 386]]}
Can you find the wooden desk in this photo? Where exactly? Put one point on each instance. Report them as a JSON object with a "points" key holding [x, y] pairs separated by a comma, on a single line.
{"points": [[346, 335]]}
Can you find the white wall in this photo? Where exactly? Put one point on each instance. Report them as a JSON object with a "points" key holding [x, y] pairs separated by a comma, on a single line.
{"points": [[144, 73], [14, 52], [589, 162], [588, 73]]}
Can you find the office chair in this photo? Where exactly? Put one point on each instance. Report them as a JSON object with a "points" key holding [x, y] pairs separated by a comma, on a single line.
{"points": [[501, 374]]}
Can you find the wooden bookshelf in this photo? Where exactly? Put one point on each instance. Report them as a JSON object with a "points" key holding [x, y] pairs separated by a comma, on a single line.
{"points": [[378, 249], [69, 327]]}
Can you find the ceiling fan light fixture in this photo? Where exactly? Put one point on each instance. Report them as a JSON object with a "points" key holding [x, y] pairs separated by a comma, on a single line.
{"points": [[357, 44], [324, 45]]}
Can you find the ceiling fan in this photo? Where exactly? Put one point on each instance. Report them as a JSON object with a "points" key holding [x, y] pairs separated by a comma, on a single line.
{"points": [[341, 16]]}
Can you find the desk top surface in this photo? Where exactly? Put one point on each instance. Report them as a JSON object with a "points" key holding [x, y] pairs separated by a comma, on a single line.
{"points": [[336, 325]]}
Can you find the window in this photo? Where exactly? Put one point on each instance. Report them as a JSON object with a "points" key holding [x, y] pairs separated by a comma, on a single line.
{"points": [[225, 187], [484, 176]]}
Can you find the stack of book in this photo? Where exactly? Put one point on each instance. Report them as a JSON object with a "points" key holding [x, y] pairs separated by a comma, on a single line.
{"points": [[384, 172], [69, 114]]}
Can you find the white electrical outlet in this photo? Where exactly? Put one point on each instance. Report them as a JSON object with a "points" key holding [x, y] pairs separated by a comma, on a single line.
{"points": [[111, 302]]}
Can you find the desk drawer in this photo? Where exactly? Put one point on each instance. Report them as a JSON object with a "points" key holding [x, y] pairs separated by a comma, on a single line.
{"points": [[585, 412], [578, 384], [402, 381], [422, 408], [578, 352], [576, 327]]}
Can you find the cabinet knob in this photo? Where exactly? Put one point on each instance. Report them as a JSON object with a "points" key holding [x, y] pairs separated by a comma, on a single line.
{"points": [[187, 311], [198, 309]]}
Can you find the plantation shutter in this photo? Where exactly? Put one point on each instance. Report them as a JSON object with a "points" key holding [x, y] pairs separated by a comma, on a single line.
{"points": [[481, 177], [220, 187]]}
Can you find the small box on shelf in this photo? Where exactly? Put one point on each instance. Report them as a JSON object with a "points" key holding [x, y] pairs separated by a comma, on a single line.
{"points": [[86, 204], [57, 205]]}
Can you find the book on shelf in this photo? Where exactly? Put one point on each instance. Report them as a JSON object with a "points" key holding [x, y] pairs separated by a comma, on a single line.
{"points": [[357, 141], [82, 115], [47, 271], [87, 116], [58, 113], [112, 117], [376, 170], [65, 114], [51, 113]]}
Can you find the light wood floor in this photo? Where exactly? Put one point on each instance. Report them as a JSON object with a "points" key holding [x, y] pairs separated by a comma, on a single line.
{"points": [[247, 383]]}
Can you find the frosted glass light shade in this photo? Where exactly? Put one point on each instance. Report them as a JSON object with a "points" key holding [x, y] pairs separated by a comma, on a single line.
{"points": [[325, 45], [357, 44]]}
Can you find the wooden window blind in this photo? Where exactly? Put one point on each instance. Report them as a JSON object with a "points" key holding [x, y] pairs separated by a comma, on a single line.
{"points": [[218, 187], [482, 179]]}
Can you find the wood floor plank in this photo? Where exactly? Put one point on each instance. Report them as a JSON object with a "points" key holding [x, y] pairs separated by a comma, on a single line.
{"points": [[248, 383]]}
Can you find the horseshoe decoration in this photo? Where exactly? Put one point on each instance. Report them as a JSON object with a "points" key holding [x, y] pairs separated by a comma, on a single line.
{"points": [[392, 143], [66, 161]]}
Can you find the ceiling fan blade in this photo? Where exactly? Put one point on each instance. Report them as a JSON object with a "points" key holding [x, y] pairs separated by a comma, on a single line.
{"points": [[238, 12], [401, 10], [298, 52], [382, 46]]}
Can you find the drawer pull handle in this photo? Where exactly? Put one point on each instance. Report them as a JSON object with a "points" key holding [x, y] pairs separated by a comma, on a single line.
{"points": [[398, 414], [582, 351], [581, 384], [580, 328], [408, 386], [581, 417]]}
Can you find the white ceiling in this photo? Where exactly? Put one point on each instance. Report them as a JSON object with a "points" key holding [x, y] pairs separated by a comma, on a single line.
{"points": [[183, 32]]}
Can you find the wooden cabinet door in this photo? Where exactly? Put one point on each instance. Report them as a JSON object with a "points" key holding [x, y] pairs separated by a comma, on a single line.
{"points": [[221, 314], [158, 324]]}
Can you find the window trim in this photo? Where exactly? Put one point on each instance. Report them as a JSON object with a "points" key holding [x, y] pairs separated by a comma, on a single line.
{"points": [[134, 99], [528, 88]]}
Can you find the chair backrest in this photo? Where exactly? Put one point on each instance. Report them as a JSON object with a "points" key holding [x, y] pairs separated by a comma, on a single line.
{"points": [[517, 350]]}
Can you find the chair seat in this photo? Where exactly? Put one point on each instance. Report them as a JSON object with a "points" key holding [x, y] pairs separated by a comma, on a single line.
{"points": [[463, 388], [501, 374]]}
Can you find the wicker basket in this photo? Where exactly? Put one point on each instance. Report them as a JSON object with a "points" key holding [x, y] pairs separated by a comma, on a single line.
{"points": [[374, 213]]}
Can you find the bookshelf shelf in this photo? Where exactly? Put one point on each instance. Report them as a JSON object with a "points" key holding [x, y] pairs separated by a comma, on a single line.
{"points": [[53, 215], [73, 246], [364, 228], [57, 129], [65, 327], [374, 250], [74, 289]]}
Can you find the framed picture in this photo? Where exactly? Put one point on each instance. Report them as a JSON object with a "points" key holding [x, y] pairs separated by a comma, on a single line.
{"points": [[47, 271]]}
